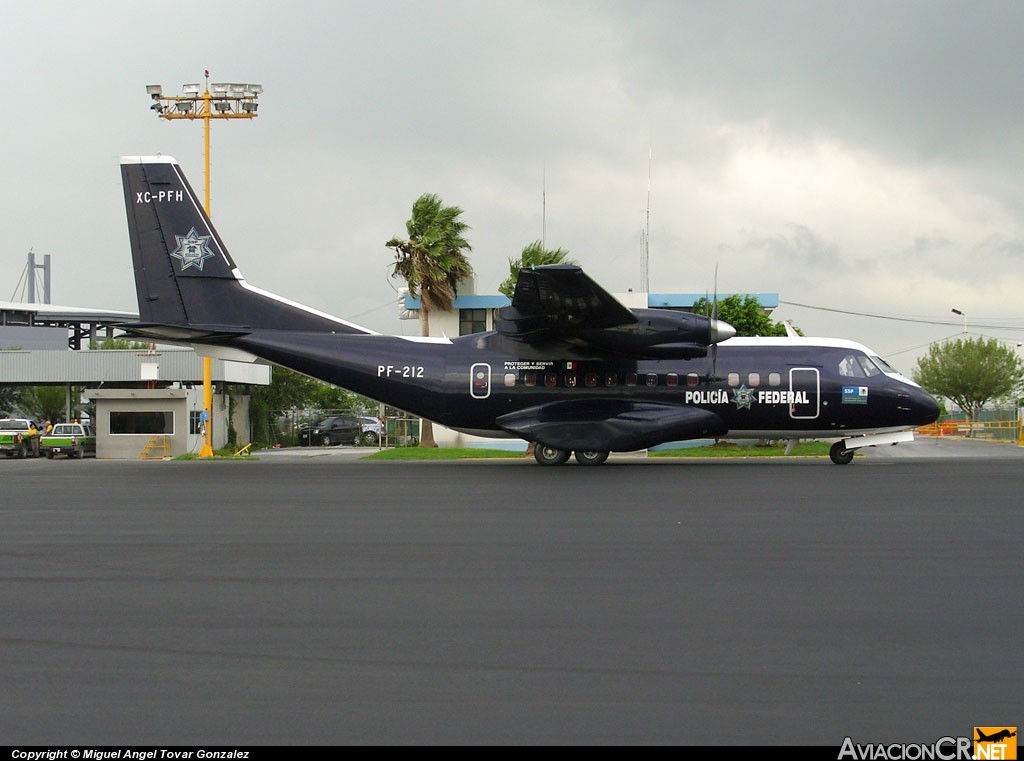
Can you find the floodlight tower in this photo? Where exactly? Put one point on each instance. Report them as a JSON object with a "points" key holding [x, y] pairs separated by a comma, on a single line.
{"points": [[217, 101]]}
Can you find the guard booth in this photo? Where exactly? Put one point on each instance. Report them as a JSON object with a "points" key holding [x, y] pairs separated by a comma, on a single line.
{"points": [[168, 421]]}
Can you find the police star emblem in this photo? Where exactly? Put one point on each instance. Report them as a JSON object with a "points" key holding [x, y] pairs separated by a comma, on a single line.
{"points": [[193, 249], [743, 397]]}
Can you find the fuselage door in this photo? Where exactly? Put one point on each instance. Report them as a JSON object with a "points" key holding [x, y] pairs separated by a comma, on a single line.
{"points": [[480, 380], [805, 386]]}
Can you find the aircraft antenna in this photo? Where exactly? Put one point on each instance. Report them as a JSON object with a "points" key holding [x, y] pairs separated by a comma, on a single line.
{"points": [[645, 244], [543, 206]]}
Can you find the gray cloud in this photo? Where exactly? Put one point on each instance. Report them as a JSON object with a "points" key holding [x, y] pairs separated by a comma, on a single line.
{"points": [[848, 154]]}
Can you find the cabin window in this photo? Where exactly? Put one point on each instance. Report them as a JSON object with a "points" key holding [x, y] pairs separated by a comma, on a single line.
{"points": [[148, 423], [510, 379], [550, 380], [611, 379], [530, 379], [692, 379], [630, 379], [774, 379], [590, 379], [652, 379], [472, 321], [754, 379], [671, 379], [734, 379]]}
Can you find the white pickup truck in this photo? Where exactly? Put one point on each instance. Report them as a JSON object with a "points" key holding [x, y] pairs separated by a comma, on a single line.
{"points": [[16, 438], [71, 439]]}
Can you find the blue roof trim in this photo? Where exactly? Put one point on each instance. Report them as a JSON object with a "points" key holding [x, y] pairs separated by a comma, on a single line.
{"points": [[654, 300], [467, 302]]}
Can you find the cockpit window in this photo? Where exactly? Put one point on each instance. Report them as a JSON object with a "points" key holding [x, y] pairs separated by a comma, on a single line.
{"points": [[886, 367], [857, 366]]}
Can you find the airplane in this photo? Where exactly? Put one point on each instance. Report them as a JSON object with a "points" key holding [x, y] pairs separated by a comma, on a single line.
{"points": [[567, 367], [995, 737]]}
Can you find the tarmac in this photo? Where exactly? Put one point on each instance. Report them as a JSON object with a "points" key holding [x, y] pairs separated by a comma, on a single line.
{"points": [[922, 446], [309, 598]]}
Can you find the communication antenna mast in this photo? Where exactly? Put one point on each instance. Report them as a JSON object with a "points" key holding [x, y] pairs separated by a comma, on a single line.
{"points": [[28, 277], [645, 243], [544, 207]]}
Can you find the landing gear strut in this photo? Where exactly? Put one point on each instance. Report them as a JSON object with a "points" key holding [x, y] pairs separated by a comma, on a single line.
{"points": [[590, 457], [549, 455], [840, 454]]}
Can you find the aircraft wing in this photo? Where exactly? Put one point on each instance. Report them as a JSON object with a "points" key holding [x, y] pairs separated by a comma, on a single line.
{"points": [[610, 425], [554, 302]]}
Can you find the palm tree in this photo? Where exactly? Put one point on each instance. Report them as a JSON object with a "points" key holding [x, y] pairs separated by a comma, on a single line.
{"points": [[432, 261], [533, 255]]}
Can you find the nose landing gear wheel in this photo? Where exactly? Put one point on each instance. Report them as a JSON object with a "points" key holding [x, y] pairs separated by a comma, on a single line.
{"points": [[840, 454], [549, 455], [590, 458]]}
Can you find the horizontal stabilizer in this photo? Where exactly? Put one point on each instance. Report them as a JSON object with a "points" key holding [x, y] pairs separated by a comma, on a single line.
{"points": [[610, 425], [162, 331]]}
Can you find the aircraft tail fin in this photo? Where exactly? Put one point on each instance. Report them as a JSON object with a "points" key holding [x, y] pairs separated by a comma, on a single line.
{"points": [[184, 275]]}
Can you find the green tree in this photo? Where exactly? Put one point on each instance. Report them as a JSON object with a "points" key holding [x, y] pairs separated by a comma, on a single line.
{"points": [[744, 313], [432, 261], [289, 390], [533, 255], [9, 400], [117, 343], [970, 372], [45, 402]]}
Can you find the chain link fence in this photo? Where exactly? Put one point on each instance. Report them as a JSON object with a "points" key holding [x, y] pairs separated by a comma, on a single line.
{"points": [[285, 428]]}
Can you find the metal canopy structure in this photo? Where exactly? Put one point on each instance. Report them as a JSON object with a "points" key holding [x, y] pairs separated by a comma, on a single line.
{"points": [[81, 323]]}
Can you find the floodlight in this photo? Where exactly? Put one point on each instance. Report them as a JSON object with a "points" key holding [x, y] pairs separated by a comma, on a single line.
{"points": [[237, 90], [154, 91], [190, 89], [220, 87], [184, 105], [222, 105], [255, 89], [158, 107]]}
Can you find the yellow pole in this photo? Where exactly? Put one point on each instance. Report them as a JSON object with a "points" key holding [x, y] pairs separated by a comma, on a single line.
{"points": [[207, 449], [245, 108]]}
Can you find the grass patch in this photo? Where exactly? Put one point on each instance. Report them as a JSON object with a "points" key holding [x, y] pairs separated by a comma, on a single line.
{"points": [[220, 454], [444, 453], [729, 449]]}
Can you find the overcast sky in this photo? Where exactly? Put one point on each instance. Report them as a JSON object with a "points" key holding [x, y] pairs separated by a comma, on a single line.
{"points": [[856, 156]]}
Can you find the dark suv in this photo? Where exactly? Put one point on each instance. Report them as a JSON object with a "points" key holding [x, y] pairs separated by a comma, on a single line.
{"points": [[339, 429]]}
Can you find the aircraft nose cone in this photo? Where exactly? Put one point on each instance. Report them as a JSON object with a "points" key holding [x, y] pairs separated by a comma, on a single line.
{"points": [[720, 331], [924, 408]]}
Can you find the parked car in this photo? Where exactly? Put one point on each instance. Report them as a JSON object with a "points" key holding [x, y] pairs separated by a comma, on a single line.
{"points": [[16, 438], [338, 429], [370, 431], [71, 439]]}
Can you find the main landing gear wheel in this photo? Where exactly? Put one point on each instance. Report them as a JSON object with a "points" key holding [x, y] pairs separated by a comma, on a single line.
{"points": [[590, 457], [840, 454], [549, 455]]}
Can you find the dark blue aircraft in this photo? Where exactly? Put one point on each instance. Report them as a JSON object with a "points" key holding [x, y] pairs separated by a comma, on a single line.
{"points": [[568, 366]]}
